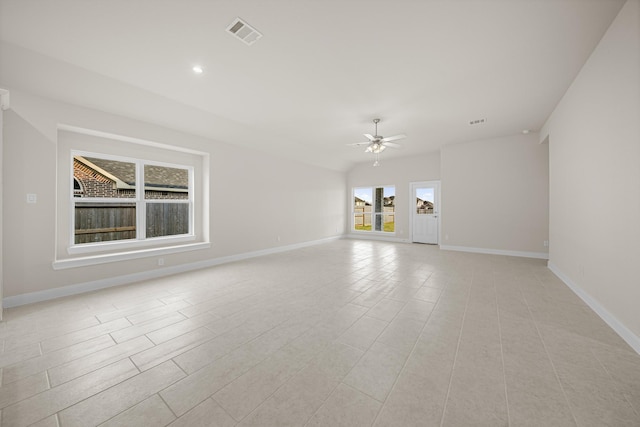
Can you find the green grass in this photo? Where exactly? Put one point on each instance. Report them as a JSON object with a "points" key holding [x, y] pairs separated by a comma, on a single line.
{"points": [[388, 227]]}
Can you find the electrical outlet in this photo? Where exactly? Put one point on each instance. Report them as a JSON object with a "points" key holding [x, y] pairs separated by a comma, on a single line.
{"points": [[278, 238], [32, 198], [160, 261], [546, 243]]}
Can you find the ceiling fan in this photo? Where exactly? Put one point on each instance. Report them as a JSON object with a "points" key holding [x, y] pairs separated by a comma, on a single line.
{"points": [[376, 144]]}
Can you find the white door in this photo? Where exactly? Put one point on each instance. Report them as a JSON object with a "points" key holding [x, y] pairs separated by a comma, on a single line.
{"points": [[425, 201]]}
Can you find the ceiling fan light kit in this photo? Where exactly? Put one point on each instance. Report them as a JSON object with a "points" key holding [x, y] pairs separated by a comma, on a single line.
{"points": [[376, 144]]}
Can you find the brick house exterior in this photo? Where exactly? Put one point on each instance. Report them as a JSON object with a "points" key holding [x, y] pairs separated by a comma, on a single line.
{"points": [[95, 177]]}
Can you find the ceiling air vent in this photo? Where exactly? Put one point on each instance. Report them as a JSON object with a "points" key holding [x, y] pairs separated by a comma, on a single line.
{"points": [[244, 31], [477, 122]]}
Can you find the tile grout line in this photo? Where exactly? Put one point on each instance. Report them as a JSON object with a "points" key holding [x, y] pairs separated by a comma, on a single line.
{"points": [[455, 358], [504, 373], [261, 361], [354, 365], [272, 393], [342, 379], [626, 398], [413, 348], [167, 404], [546, 350]]}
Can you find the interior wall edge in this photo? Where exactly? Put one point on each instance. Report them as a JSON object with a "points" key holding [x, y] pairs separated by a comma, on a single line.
{"points": [[625, 333], [489, 251]]}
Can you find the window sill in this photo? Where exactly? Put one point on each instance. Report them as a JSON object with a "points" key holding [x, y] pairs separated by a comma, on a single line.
{"points": [[125, 256], [130, 244]]}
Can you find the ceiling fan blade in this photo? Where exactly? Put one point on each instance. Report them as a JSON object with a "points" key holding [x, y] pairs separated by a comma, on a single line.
{"points": [[360, 143], [391, 144], [369, 136], [395, 137]]}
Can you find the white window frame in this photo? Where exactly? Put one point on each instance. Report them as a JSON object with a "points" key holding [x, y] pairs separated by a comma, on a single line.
{"points": [[141, 240], [373, 213]]}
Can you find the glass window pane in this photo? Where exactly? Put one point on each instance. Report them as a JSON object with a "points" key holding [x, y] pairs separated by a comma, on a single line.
{"points": [[103, 222], [389, 222], [102, 178], [363, 197], [167, 219], [362, 221], [389, 208], [161, 182], [362, 204], [389, 196]]}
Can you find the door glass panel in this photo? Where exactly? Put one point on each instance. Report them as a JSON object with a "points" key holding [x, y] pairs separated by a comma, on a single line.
{"points": [[424, 201]]}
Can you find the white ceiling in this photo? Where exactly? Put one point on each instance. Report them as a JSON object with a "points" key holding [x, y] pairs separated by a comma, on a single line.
{"points": [[323, 69]]}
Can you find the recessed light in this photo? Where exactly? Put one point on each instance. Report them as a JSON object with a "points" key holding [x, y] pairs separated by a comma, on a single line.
{"points": [[525, 131], [198, 69]]}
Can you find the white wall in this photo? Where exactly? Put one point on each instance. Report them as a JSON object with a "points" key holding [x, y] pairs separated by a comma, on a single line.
{"points": [[255, 197], [495, 195], [399, 172], [594, 148], [5, 95]]}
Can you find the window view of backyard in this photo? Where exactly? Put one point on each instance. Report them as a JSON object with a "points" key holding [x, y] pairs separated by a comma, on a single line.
{"points": [[374, 209], [107, 203]]}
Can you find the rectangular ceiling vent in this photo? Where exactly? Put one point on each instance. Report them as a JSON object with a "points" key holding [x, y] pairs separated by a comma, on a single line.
{"points": [[244, 31], [477, 122]]}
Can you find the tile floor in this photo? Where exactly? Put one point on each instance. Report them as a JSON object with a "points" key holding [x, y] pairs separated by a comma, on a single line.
{"points": [[349, 333]]}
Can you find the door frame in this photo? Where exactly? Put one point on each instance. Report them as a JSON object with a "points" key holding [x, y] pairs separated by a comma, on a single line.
{"points": [[412, 205]]}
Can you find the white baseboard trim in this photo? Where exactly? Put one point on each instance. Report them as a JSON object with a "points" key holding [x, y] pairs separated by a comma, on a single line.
{"points": [[378, 237], [632, 339], [539, 255], [79, 288]]}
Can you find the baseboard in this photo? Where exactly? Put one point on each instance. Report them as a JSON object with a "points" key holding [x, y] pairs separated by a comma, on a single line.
{"points": [[80, 288], [539, 255], [632, 339], [378, 237]]}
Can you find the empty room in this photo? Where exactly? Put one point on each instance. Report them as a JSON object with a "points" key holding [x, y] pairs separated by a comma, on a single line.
{"points": [[319, 213]]}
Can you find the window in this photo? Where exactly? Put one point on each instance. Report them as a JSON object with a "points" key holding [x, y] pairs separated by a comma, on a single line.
{"points": [[77, 188], [374, 209], [131, 200]]}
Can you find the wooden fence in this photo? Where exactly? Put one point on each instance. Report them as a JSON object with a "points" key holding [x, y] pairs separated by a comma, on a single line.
{"points": [[363, 215], [105, 222]]}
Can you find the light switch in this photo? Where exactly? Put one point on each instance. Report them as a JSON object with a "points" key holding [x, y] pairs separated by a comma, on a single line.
{"points": [[32, 198]]}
